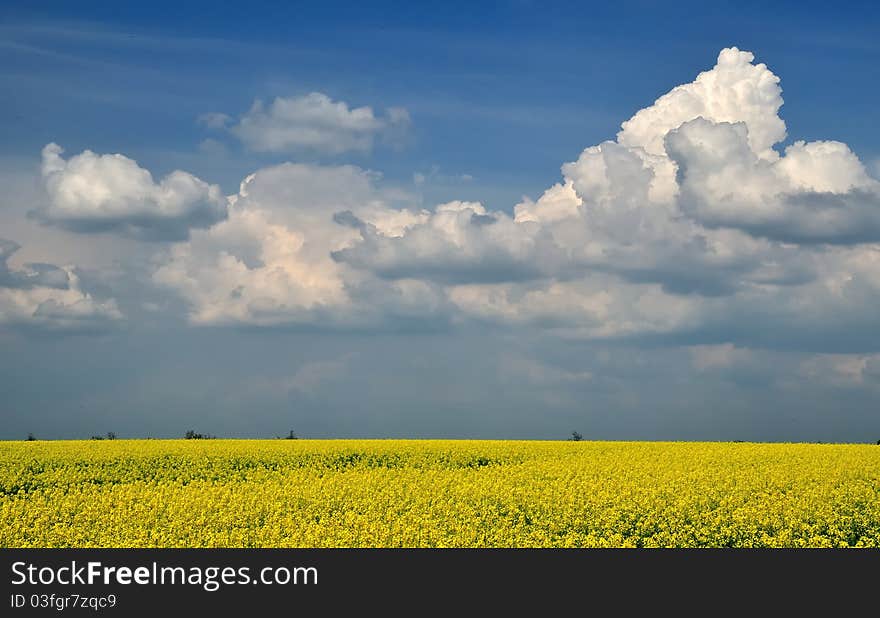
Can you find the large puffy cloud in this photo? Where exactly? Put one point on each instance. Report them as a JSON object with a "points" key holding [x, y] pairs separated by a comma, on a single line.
{"points": [[699, 219], [112, 193], [688, 228], [45, 297], [315, 123], [817, 192], [271, 262], [627, 224], [734, 90], [620, 207]]}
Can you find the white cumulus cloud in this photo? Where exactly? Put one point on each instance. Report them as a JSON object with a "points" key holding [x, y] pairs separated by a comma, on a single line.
{"points": [[315, 123], [270, 263], [90, 192], [816, 192]]}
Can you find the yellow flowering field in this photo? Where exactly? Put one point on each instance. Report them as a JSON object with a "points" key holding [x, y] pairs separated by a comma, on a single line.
{"points": [[435, 493]]}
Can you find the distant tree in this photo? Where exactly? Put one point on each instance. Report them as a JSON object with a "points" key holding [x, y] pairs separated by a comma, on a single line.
{"points": [[30, 438], [192, 435], [576, 437], [97, 437], [111, 435], [878, 442], [291, 436]]}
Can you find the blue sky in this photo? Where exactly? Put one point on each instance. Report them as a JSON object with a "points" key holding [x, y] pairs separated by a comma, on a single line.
{"points": [[336, 297], [499, 91]]}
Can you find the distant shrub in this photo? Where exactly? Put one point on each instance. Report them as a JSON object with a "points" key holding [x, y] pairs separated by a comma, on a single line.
{"points": [[30, 438]]}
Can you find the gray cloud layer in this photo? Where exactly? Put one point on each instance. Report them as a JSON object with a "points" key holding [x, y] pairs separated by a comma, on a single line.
{"points": [[31, 275], [44, 297]]}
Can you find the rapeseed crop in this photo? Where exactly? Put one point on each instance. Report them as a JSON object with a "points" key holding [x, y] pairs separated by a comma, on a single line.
{"points": [[399, 493]]}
